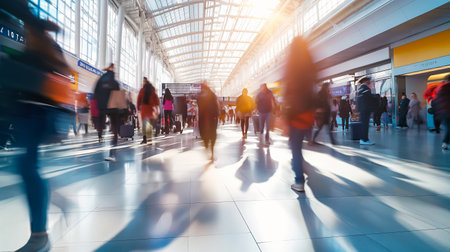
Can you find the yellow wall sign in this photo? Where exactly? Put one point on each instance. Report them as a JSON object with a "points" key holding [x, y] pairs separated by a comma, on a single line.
{"points": [[74, 80], [430, 47]]}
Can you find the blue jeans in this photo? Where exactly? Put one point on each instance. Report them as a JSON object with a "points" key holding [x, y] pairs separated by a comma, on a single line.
{"points": [[264, 119], [35, 187], [296, 142]]}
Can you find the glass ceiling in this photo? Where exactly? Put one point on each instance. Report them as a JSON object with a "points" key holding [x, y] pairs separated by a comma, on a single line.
{"points": [[204, 40]]}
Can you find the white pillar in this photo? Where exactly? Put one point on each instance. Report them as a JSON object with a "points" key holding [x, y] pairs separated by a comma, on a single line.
{"points": [[77, 27], [120, 20], [102, 26], [140, 53], [147, 63]]}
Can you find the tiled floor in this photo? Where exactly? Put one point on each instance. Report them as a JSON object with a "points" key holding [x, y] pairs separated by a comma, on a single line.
{"points": [[394, 196]]}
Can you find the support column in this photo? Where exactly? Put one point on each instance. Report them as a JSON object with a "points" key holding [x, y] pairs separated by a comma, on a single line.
{"points": [[77, 27], [139, 57], [148, 63], [120, 20], [102, 26]]}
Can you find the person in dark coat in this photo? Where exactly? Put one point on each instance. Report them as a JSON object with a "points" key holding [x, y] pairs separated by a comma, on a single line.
{"points": [[344, 112], [403, 111], [103, 88], [265, 103], [364, 103], [323, 111], [208, 116]]}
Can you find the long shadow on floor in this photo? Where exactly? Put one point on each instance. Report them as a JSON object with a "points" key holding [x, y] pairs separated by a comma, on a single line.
{"points": [[365, 215], [156, 225]]}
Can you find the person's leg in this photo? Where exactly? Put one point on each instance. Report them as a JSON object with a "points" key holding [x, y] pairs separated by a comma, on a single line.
{"points": [[246, 124], [145, 123], [36, 188], [86, 126], [166, 121], [437, 123], [262, 119], [101, 125], [171, 118], [267, 127], [364, 118], [243, 125], [446, 122], [115, 124], [317, 132], [296, 142]]}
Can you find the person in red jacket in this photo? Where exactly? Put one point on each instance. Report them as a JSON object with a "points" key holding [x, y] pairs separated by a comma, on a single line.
{"points": [[148, 106], [300, 78]]}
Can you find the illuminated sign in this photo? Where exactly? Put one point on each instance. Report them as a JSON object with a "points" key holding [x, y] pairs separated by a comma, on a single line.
{"points": [[89, 68], [12, 34]]}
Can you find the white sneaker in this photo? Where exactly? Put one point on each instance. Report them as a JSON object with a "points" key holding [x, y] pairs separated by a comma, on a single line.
{"points": [[110, 159], [444, 146], [365, 142], [298, 187]]}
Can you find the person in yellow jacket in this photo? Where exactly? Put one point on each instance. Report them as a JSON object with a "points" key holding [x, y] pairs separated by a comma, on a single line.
{"points": [[244, 108]]}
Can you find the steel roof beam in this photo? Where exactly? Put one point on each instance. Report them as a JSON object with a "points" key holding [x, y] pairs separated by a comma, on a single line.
{"points": [[195, 58], [172, 25], [199, 51], [201, 32], [172, 7]]}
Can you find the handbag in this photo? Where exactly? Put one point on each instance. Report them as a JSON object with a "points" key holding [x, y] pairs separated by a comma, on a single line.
{"points": [[156, 112], [117, 100]]}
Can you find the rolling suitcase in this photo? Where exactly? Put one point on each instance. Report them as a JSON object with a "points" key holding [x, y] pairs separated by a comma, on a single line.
{"points": [[127, 130], [355, 130]]}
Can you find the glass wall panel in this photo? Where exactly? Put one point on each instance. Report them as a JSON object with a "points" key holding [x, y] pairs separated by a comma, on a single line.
{"points": [[88, 30]]}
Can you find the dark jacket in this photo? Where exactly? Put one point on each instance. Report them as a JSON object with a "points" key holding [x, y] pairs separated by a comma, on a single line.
{"points": [[404, 106], [208, 114], [443, 101], [103, 88], [264, 101], [383, 105], [364, 99], [344, 109]]}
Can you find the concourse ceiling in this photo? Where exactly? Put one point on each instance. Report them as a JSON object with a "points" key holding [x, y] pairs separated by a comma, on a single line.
{"points": [[205, 39]]}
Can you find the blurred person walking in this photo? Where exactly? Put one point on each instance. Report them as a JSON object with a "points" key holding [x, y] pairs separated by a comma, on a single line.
{"points": [[443, 110], [414, 112], [384, 107], [208, 117], [378, 112], [403, 111], [265, 102], [148, 106], [168, 101], [244, 108], [323, 111], [38, 115], [344, 112], [103, 90], [334, 111], [300, 78], [366, 104]]}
